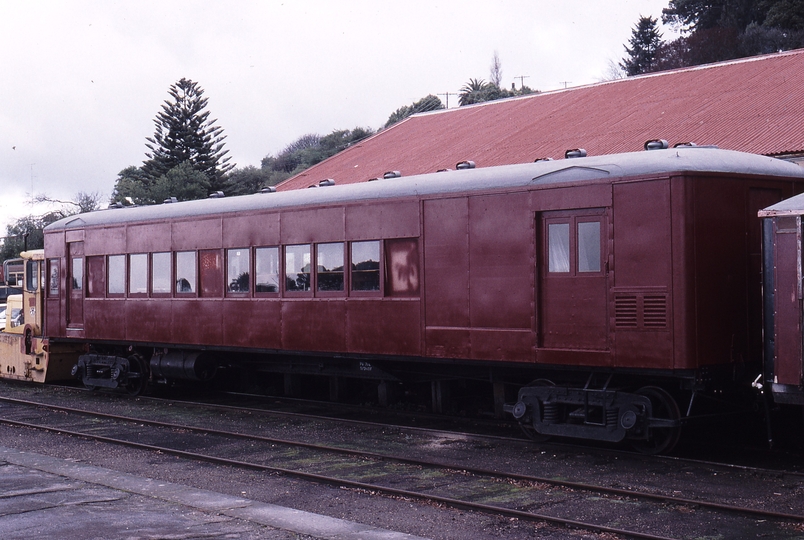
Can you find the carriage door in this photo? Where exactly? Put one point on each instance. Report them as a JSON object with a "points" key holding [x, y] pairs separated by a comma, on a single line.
{"points": [[75, 285], [573, 280]]}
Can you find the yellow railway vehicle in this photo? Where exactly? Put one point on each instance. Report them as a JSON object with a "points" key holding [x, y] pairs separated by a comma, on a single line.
{"points": [[25, 354]]}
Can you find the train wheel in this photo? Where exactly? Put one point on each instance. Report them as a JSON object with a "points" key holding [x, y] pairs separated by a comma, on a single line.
{"points": [[659, 440], [528, 429], [136, 384]]}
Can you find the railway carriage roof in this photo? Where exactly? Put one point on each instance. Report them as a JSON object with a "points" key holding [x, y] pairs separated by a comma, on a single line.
{"points": [[507, 177], [794, 206]]}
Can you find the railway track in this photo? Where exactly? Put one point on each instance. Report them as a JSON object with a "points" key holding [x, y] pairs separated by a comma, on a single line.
{"points": [[403, 467]]}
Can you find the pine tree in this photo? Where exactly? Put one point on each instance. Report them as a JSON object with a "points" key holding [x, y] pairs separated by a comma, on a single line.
{"points": [[645, 42], [185, 135]]}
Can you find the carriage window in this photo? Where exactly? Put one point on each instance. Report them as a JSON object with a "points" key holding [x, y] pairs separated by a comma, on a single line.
{"points": [[96, 276], [54, 276], [138, 273], [238, 265], [117, 274], [558, 245], [32, 276], [589, 246], [297, 268], [185, 272], [267, 269], [78, 273], [329, 266], [160, 273], [210, 277], [366, 266], [402, 272]]}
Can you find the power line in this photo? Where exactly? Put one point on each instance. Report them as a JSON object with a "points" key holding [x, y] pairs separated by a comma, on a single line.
{"points": [[447, 95]]}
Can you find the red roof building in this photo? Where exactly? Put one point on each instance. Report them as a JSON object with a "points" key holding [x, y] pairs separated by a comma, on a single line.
{"points": [[752, 105]]}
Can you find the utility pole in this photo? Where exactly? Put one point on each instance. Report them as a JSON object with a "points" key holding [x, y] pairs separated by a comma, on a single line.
{"points": [[447, 95], [565, 83], [522, 80], [32, 177]]}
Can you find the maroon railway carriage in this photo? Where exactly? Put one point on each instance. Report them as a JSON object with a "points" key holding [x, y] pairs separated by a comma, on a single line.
{"points": [[618, 284], [782, 292]]}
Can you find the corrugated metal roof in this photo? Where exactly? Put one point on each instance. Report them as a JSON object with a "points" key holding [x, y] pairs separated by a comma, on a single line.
{"points": [[753, 105]]}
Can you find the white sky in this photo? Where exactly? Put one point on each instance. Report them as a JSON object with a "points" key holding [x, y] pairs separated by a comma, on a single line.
{"points": [[81, 81]]}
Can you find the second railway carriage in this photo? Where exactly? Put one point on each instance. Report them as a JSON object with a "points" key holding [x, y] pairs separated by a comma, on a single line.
{"points": [[783, 280], [618, 286]]}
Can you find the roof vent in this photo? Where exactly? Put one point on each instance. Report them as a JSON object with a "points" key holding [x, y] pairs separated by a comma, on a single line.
{"points": [[465, 165], [537, 160], [269, 189], [575, 153], [327, 182], [684, 144], [373, 179], [170, 200], [217, 195], [656, 144], [118, 204], [443, 170], [312, 186], [392, 174]]}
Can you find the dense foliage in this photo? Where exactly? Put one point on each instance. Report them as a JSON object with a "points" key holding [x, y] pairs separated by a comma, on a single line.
{"points": [[716, 30], [478, 91], [308, 150], [186, 157], [644, 46], [425, 104]]}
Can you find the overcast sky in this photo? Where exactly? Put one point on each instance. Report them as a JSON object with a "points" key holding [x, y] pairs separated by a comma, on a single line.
{"points": [[81, 81]]}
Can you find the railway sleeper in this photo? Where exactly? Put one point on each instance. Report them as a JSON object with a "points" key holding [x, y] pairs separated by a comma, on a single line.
{"points": [[595, 414]]}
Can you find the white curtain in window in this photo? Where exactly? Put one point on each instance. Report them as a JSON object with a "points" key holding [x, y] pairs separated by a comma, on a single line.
{"points": [[589, 246], [558, 243]]}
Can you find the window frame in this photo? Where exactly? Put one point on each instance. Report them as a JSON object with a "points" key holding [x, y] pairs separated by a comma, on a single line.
{"points": [[152, 275], [573, 219], [250, 264], [175, 278], [297, 293], [129, 281], [279, 274], [380, 292], [387, 288], [109, 293], [77, 284], [53, 264], [316, 281]]}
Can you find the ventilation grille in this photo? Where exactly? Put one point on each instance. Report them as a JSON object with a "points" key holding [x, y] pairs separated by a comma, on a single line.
{"points": [[626, 311], [640, 309], [654, 311]]}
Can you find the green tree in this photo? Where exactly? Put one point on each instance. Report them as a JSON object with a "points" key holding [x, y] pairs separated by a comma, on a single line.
{"points": [[132, 183], [183, 182], [185, 134], [249, 179], [425, 104], [784, 14], [644, 45], [478, 91], [308, 150], [715, 30], [474, 91]]}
